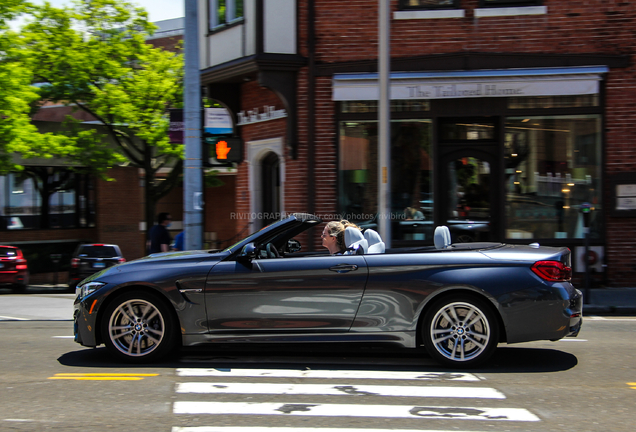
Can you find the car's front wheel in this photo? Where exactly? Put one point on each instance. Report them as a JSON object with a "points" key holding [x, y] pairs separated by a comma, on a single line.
{"points": [[138, 327], [460, 331]]}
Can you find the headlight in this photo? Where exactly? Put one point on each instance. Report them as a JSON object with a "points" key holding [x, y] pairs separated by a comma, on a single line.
{"points": [[88, 288]]}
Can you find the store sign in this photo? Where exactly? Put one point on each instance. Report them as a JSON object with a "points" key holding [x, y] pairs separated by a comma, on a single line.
{"points": [[471, 84], [217, 121], [254, 116]]}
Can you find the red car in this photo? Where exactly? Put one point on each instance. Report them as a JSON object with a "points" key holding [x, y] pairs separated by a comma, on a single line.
{"points": [[13, 268]]}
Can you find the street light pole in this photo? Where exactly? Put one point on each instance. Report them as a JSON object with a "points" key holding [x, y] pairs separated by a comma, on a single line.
{"points": [[384, 122], [193, 176]]}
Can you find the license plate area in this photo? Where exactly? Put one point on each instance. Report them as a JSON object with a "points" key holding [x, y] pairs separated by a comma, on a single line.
{"points": [[99, 265]]}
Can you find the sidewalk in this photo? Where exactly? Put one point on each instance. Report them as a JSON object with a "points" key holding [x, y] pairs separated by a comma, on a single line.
{"points": [[610, 301], [601, 301]]}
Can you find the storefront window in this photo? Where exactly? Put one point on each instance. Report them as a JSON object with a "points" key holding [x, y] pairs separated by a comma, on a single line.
{"points": [[411, 176], [553, 165], [544, 102]]}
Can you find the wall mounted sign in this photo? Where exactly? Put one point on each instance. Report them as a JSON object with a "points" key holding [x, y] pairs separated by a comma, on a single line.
{"points": [[217, 121], [472, 84], [623, 194]]}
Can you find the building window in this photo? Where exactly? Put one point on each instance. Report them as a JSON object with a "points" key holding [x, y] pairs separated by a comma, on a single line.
{"points": [[553, 165], [223, 12], [509, 3], [544, 102], [411, 176], [46, 198], [428, 4], [357, 107]]}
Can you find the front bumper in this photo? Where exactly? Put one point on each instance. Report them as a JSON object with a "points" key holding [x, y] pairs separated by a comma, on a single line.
{"points": [[84, 320]]}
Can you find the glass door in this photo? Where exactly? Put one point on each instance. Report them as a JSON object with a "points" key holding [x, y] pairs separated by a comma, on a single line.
{"points": [[468, 198]]}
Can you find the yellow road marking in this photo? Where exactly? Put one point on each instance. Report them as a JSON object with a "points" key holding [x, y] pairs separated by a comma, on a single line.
{"points": [[98, 378], [101, 376], [633, 385]]}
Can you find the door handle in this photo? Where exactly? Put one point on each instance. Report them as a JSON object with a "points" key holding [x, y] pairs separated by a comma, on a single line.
{"points": [[343, 268]]}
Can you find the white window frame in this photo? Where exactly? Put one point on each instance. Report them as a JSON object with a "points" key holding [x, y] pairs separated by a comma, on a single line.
{"points": [[230, 13]]}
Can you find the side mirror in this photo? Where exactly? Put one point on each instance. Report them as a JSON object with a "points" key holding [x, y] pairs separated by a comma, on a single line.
{"points": [[293, 245], [247, 253]]}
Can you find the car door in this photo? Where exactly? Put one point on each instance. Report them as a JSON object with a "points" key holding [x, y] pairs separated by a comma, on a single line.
{"points": [[285, 295]]}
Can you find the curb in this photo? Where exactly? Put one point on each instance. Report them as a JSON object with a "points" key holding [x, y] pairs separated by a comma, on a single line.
{"points": [[608, 310]]}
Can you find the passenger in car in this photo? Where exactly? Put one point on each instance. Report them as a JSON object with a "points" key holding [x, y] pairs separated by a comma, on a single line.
{"points": [[333, 236]]}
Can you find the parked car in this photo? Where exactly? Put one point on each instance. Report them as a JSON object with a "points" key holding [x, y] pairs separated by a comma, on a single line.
{"points": [[14, 271], [91, 258], [457, 300]]}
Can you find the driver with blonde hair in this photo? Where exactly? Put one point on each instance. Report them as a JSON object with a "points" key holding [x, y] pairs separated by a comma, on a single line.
{"points": [[333, 236]]}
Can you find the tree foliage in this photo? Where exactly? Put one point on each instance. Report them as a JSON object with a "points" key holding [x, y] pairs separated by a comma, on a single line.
{"points": [[17, 133], [93, 56]]}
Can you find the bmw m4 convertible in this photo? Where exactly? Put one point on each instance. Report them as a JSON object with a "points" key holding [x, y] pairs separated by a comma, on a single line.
{"points": [[458, 300]]}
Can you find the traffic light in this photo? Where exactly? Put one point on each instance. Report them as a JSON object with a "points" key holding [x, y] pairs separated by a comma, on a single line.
{"points": [[221, 150]]}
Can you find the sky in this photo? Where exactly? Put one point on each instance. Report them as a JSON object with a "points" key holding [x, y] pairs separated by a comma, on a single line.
{"points": [[158, 10]]}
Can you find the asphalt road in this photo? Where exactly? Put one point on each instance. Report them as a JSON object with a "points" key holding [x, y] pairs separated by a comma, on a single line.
{"points": [[49, 383]]}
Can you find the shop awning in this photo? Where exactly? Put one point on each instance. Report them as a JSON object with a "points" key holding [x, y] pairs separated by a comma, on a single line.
{"points": [[472, 84]]}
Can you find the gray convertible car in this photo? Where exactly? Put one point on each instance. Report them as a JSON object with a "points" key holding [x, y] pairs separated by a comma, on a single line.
{"points": [[458, 300]]}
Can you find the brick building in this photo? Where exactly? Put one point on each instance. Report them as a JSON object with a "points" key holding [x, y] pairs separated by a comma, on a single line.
{"points": [[507, 117]]}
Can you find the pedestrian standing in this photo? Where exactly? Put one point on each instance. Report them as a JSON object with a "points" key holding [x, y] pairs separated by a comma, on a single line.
{"points": [[159, 238]]}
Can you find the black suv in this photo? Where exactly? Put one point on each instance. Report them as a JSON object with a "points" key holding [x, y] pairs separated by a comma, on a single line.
{"points": [[91, 258]]}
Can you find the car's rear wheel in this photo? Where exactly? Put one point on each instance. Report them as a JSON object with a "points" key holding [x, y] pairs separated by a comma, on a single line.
{"points": [[460, 331], [138, 327]]}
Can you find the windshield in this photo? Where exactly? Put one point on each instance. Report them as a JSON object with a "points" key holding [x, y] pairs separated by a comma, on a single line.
{"points": [[249, 238]]}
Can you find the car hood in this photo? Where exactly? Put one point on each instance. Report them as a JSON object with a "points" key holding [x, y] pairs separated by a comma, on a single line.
{"points": [[154, 262]]}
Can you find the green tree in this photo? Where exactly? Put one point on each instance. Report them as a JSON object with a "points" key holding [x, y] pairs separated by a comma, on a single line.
{"points": [[93, 56], [17, 94]]}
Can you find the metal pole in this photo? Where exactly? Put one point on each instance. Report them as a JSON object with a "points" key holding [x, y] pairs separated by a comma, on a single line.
{"points": [[384, 123], [193, 184]]}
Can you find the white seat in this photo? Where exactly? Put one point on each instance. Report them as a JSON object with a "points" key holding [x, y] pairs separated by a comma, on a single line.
{"points": [[442, 237], [376, 245], [354, 240]]}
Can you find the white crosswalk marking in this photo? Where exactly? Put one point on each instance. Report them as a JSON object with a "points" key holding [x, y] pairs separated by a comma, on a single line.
{"points": [[349, 410], [288, 429], [340, 390], [278, 386], [336, 374]]}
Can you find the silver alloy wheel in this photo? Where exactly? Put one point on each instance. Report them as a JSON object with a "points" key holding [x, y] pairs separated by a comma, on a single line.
{"points": [[136, 327], [460, 331]]}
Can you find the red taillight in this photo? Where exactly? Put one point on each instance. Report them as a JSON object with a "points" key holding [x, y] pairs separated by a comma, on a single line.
{"points": [[75, 262], [553, 271], [121, 260], [21, 264]]}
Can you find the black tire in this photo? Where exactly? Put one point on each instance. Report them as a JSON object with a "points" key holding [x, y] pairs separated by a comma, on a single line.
{"points": [[452, 341], [138, 327]]}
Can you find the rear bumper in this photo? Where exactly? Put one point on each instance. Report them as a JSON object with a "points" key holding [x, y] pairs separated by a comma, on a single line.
{"points": [[14, 278], [575, 313]]}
